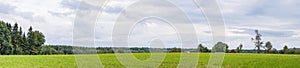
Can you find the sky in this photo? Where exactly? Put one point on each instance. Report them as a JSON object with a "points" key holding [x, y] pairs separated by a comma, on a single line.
{"points": [[277, 20]]}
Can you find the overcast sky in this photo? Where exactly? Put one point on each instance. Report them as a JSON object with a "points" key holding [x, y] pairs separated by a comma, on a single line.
{"points": [[278, 21]]}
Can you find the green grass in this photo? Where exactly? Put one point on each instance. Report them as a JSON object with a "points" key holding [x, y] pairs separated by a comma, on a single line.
{"points": [[171, 61]]}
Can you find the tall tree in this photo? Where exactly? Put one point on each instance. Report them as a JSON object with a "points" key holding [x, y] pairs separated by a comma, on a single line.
{"points": [[257, 41], [39, 39], [35, 39], [5, 39], [238, 49], [26, 47], [200, 48], [269, 46], [285, 49], [22, 40], [240, 46], [16, 39], [31, 41]]}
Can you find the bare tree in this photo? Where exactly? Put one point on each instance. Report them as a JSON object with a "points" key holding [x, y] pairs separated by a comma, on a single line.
{"points": [[257, 41]]}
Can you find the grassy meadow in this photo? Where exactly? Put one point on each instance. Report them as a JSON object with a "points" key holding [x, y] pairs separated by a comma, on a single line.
{"points": [[171, 61]]}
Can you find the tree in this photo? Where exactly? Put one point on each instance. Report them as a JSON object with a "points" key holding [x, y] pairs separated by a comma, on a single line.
{"points": [[14, 41], [285, 49], [268, 46], [220, 47], [239, 48], [206, 49], [35, 40], [16, 37], [175, 49], [5, 39], [257, 41], [31, 41], [274, 51], [201, 48], [47, 50]]}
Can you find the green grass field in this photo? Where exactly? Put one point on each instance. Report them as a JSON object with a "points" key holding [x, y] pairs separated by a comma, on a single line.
{"points": [[171, 61]]}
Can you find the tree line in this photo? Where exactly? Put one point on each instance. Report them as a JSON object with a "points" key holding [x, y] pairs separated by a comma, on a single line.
{"points": [[13, 41], [268, 48], [259, 44]]}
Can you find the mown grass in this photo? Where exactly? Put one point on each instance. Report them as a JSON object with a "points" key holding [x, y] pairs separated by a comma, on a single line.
{"points": [[171, 61]]}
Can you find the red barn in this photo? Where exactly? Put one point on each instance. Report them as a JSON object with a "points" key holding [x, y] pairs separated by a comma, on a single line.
{"points": [[232, 51]]}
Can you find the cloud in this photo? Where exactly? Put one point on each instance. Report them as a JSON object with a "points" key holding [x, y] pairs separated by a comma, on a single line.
{"points": [[265, 33], [5, 8], [277, 8], [71, 4], [9, 9]]}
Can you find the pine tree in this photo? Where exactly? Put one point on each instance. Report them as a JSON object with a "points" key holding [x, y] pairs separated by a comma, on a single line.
{"points": [[5, 39], [35, 40], [26, 48], [16, 39]]}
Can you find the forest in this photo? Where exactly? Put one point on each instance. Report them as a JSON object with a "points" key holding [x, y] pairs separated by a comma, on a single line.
{"points": [[14, 41]]}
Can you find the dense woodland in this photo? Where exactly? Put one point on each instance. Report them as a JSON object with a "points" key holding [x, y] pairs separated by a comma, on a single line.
{"points": [[14, 41]]}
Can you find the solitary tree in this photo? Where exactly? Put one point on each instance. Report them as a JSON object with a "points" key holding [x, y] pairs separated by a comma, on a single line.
{"points": [[240, 47], [257, 41], [220, 47], [268, 46], [285, 49]]}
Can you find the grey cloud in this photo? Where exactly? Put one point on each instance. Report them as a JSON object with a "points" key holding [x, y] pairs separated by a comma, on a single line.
{"points": [[60, 14], [277, 8], [29, 16], [5, 8], [110, 9], [77, 4], [263, 13], [71, 4], [267, 33], [10, 10]]}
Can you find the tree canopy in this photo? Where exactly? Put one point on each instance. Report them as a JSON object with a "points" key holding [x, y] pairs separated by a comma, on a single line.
{"points": [[14, 41]]}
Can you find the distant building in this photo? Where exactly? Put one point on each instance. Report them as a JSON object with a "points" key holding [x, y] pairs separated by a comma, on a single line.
{"points": [[232, 51]]}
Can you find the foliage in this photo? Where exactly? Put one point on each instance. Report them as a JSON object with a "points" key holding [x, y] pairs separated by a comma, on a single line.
{"points": [[175, 49], [239, 48], [201, 48], [5, 39], [268, 46], [47, 50], [285, 49], [220, 47], [14, 41], [257, 41]]}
